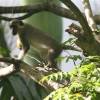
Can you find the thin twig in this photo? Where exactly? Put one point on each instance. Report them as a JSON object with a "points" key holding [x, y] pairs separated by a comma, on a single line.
{"points": [[68, 47]]}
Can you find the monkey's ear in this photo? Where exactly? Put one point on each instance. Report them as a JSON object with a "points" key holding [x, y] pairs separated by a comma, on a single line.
{"points": [[15, 24]]}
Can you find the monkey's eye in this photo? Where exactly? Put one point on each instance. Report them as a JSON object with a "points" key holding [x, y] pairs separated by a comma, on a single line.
{"points": [[21, 23]]}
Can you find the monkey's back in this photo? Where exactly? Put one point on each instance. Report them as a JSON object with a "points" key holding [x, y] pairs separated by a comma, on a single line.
{"points": [[37, 37]]}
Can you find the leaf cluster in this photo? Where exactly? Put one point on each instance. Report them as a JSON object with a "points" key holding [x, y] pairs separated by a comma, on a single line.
{"points": [[84, 82]]}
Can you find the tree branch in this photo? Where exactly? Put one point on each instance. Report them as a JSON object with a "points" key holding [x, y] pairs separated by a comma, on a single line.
{"points": [[4, 72], [79, 15], [88, 49], [19, 18], [33, 9], [12, 68], [9, 60], [90, 20], [37, 73], [89, 15], [22, 9], [52, 8]]}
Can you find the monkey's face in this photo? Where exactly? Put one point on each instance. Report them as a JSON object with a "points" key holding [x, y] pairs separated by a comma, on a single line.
{"points": [[15, 24]]}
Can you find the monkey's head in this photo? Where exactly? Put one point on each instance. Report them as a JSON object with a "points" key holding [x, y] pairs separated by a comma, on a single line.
{"points": [[15, 24]]}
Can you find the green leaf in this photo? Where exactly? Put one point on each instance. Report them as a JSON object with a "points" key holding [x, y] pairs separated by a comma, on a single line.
{"points": [[20, 88], [37, 91], [73, 57], [33, 57], [7, 91], [70, 41], [4, 51], [60, 58]]}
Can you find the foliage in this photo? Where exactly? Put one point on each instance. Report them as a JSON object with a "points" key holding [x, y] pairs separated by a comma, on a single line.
{"points": [[22, 88], [69, 42], [81, 83], [4, 51], [84, 82], [3, 46], [63, 78]]}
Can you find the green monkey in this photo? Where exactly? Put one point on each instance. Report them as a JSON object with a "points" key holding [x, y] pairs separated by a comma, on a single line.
{"points": [[29, 35], [45, 44]]}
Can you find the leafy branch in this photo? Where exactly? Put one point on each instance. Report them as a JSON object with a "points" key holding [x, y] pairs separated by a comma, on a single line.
{"points": [[84, 82]]}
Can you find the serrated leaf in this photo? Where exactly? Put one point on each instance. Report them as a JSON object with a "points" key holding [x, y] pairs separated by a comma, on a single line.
{"points": [[60, 75], [55, 77]]}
